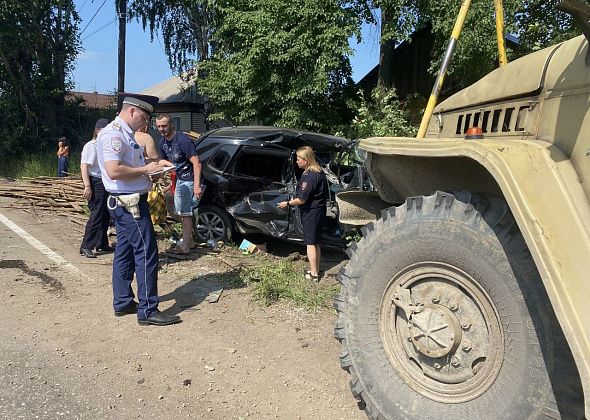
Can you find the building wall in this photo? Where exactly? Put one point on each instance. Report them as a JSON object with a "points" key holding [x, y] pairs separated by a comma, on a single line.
{"points": [[188, 117], [198, 122]]}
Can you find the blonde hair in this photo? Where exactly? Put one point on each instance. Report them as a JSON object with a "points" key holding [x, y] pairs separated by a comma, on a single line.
{"points": [[307, 153]]}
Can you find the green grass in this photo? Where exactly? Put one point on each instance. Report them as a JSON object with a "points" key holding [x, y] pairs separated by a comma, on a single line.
{"points": [[274, 280], [36, 165]]}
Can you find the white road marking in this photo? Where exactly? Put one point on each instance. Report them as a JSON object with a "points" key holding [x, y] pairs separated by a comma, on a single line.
{"points": [[35, 243]]}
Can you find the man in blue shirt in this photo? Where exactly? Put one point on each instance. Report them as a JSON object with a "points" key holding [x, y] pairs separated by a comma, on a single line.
{"points": [[179, 149]]}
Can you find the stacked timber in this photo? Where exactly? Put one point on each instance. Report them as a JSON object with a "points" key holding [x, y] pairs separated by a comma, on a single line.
{"points": [[45, 192]]}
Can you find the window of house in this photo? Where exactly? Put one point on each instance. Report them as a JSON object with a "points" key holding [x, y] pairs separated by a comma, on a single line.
{"points": [[176, 122]]}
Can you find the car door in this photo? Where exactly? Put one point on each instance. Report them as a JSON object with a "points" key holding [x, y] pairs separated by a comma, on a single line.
{"points": [[257, 182]]}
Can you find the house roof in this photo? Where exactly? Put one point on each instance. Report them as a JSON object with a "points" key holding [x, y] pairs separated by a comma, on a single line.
{"points": [[175, 90], [94, 99]]}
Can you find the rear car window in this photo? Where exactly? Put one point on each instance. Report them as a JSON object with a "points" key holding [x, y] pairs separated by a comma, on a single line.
{"points": [[223, 156], [261, 164]]}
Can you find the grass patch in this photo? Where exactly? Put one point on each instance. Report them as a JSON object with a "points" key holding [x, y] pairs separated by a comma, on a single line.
{"points": [[274, 280], [35, 165]]}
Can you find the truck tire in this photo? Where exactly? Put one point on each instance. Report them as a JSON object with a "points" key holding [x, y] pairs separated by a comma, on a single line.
{"points": [[212, 222], [442, 315]]}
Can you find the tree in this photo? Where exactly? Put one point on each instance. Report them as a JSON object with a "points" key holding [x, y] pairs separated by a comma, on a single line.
{"points": [[540, 24], [281, 62], [186, 26], [535, 22], [38, 43]]}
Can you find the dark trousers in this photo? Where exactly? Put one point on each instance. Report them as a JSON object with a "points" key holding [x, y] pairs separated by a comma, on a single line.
{"points": [[136, 252], [95, 234]]}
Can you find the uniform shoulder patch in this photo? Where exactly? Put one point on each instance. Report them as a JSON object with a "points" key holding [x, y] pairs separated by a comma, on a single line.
{"points": [[116, 144], [303, 185]]}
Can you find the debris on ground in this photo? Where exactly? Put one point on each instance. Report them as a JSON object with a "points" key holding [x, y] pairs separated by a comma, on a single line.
{"points": [[214, 296], [248, 247], [65, 193]]}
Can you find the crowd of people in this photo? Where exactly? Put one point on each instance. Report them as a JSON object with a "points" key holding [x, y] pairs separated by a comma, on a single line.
{"points": [[118, 166]]}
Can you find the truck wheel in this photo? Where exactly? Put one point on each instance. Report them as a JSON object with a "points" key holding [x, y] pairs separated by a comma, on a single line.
{"points": [[211, 222], [441, 315]]}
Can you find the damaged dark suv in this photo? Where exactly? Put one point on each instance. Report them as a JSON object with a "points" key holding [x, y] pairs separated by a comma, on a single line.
{"points": [[248, 170]]}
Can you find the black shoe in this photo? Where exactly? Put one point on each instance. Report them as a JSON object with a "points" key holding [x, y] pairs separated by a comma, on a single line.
{"points": [[159, 319], [87, 253], [131, 309], [106, 249]]}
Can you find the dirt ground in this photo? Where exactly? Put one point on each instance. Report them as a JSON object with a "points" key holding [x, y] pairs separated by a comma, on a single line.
{"points": [[63, 354]]}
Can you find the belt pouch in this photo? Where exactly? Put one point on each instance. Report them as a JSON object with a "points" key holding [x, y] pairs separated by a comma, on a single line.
{"points": [[130, 202]]}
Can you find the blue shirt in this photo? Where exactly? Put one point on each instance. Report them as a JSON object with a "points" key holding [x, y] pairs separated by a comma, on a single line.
{"points": [[179, 150]]}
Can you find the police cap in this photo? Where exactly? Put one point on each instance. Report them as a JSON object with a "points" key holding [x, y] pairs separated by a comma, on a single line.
{"points": [[144, 102], [101, 123]]}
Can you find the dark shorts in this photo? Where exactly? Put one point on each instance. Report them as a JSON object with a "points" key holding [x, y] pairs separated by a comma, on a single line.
{"points": [[311, 220]]}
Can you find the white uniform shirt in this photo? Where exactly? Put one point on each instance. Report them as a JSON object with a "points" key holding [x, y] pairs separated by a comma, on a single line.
{"points": [[90, 159], [116, 142]]}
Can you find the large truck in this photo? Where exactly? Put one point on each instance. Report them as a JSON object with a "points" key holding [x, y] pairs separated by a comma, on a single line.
{"points": [[468, 295]]}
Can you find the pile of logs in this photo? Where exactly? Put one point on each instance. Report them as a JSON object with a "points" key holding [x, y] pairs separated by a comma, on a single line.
{"points": [[46, 193]]}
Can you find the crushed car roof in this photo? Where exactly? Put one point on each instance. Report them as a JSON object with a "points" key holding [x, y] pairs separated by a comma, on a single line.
{"points": [[284, 136]]}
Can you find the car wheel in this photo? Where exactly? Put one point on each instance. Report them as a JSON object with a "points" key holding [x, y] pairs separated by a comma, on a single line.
{"points": [[212, 222], [442, 316]]}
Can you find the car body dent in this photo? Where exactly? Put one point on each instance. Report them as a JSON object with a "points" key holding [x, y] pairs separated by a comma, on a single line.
{"points": [[250, 193]]}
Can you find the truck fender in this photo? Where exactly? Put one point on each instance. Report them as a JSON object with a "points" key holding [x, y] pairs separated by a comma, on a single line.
{"points": [[545, 196]]}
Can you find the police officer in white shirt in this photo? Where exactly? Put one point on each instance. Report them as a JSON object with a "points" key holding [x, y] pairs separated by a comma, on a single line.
{"points": [[125, 175], [95, 232]]}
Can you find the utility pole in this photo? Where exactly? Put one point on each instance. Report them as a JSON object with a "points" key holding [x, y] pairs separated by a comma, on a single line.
{"points": [[122, 9]]}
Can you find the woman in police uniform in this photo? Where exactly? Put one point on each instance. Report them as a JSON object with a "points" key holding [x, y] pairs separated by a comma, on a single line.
{"points": [[310, 195]]}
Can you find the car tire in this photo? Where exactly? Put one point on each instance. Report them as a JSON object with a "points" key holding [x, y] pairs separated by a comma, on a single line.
{"points": [[441, 315], [212, 222]]}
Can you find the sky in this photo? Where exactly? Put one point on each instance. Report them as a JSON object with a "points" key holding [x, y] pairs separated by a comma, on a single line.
{"points": [[145, 61]]}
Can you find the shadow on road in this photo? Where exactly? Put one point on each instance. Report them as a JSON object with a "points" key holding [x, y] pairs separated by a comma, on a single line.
{"points": [[197, 290]]}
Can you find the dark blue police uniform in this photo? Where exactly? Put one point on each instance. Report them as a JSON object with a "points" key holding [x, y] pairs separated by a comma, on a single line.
{"points": [[313, 189], [136, 250]]}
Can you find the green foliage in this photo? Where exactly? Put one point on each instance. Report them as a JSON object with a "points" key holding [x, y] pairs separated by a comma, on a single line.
{"points": [[353, 237], [281, 62], [535, 22], [382, 115], [38, 45], [36, 164], [540, 24], [186, 27], [274, 280]]}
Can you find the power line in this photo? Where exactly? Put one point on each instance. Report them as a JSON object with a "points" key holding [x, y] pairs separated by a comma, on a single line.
{"points": [[101, 28], [81, 7], [93, 16]]}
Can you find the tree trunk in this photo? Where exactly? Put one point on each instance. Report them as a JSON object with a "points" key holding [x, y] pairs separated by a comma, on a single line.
{"points": [[385, 80], [60, 73]]}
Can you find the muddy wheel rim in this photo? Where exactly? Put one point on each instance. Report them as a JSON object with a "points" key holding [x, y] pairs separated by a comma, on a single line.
{"points": [[446, 341]]}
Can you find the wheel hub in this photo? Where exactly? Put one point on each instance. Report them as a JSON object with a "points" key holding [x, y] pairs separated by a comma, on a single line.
{"points": [[210, 226], [441, 332], [435, 331]]}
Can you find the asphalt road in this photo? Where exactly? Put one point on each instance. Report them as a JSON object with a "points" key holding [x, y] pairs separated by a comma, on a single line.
{"points": [[64, 355]]}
